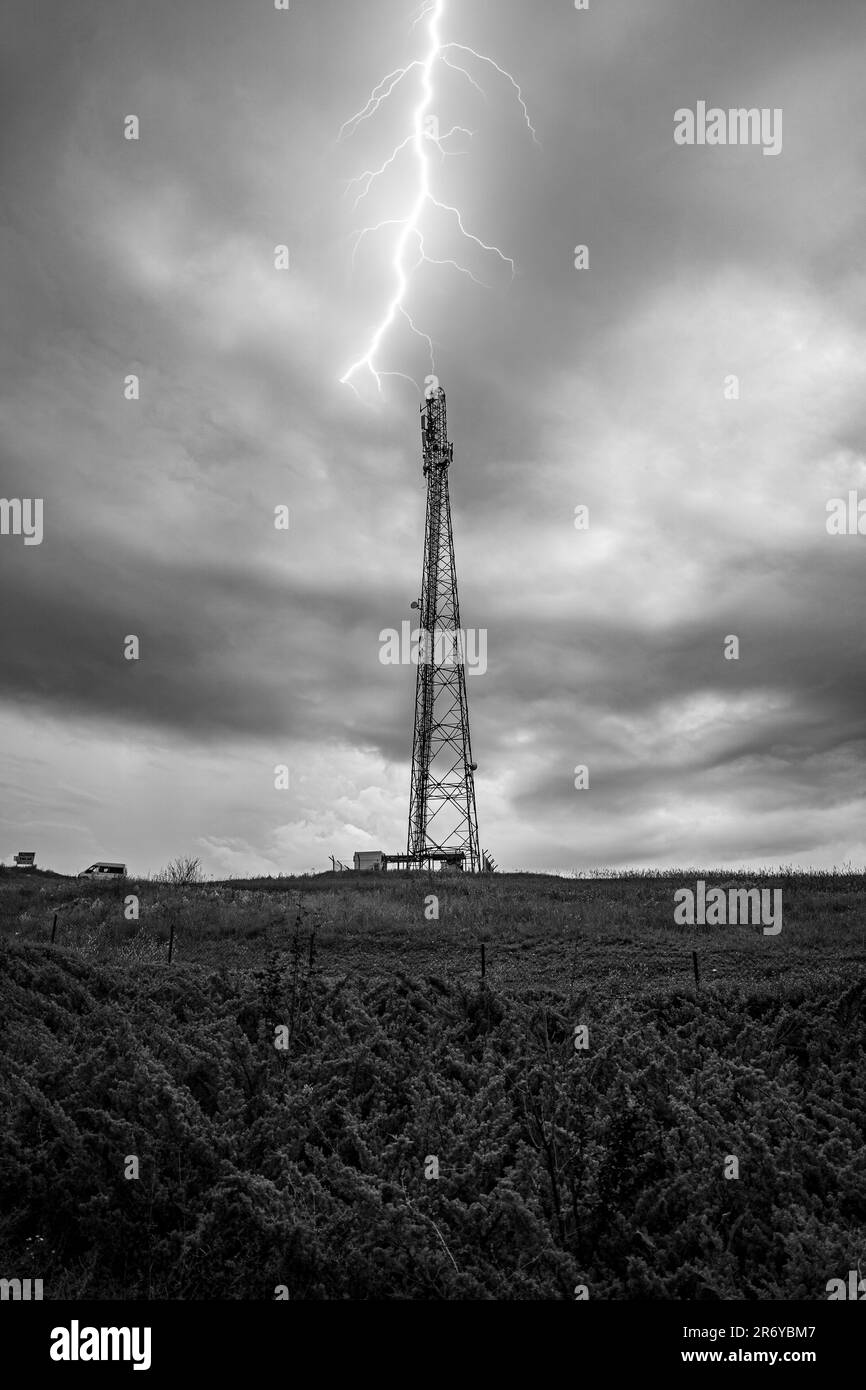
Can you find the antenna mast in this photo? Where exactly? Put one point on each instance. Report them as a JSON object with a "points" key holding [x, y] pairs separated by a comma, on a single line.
{"points": [[443, 825]]}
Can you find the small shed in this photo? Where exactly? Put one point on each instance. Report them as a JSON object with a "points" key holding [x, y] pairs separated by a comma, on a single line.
{"points": [[369, 860]]}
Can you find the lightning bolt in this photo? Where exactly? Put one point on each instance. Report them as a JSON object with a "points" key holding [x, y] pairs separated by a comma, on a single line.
{"points": [[409, 247]]}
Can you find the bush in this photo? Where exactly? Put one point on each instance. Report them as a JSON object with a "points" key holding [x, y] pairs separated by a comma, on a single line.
{"points": [[181, 871], [306, 1166]]}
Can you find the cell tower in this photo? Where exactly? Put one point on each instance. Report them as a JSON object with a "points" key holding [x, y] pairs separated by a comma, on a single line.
{"points": [[443, 825]]}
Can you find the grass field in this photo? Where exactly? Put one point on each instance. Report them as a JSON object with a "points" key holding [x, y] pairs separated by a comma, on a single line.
{"points": [[317, 1047], [539, 932]]}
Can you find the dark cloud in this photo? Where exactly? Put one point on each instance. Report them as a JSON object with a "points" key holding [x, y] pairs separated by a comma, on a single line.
{"points": [[602, 388]]}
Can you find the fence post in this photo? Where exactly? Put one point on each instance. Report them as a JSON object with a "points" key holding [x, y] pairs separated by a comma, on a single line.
{"points": [[53, 928], [696, 970]]}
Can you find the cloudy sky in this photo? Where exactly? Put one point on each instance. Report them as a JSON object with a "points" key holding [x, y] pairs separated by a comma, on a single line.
{"points": [[604, 387]]}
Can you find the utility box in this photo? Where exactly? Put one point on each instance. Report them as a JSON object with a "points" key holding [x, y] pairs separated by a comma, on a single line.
{"points": [[369, 860]]}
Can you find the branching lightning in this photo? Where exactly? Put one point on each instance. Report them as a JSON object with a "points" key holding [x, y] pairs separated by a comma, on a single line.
{"points": [[409, 247]]}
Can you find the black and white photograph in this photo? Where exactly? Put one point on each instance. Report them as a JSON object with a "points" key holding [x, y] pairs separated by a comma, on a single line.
{"points": [[432, 672]]}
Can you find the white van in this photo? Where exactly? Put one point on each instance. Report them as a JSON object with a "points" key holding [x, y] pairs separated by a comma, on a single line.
{"points": [[104, 870]]}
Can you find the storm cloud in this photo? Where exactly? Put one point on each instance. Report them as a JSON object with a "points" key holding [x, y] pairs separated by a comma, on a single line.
{"points": [[607, 388]]}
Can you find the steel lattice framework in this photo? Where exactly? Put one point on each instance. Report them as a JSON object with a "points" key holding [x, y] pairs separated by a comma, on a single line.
{"points": [[443, 825]]}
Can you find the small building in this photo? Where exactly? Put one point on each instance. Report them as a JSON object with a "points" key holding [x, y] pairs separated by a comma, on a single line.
{"points": [[26, 859], [369, 860]]}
